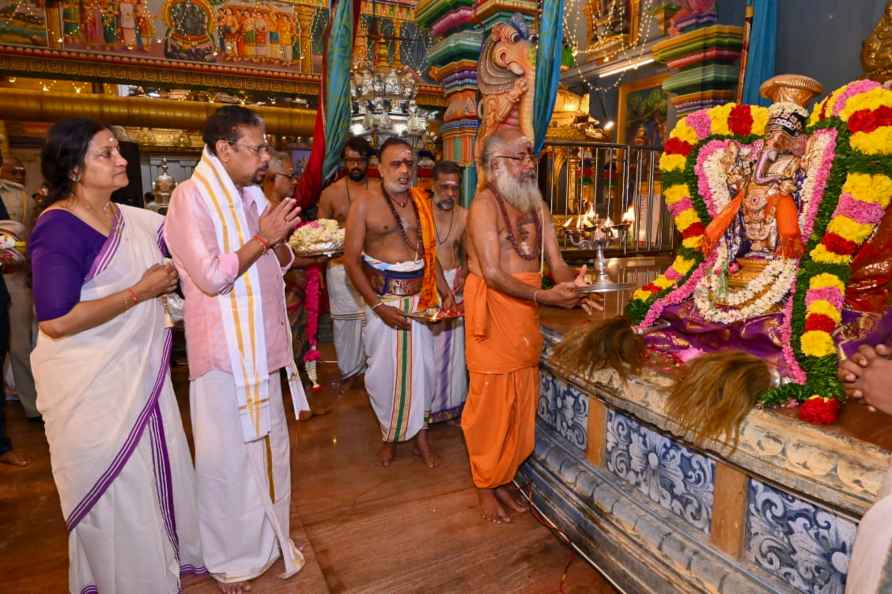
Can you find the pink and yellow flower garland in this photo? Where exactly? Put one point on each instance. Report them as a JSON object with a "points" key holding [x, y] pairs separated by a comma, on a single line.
{"points": [[859, 117], [690, 211]]}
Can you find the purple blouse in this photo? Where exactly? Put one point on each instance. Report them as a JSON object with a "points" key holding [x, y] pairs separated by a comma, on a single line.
{"points": [[62, 249]]}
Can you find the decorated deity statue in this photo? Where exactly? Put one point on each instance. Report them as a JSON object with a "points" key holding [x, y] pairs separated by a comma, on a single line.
{"points": [[261, 39], [272, 24], [285, 26], [773, 206], [92, 16], [109, 23], [144, 27], [876, 52], [506, 80], [230, 26], [249, 35], [127, 23]]}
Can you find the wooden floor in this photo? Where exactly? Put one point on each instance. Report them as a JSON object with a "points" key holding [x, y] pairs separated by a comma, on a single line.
{"points": [[363, 528]]}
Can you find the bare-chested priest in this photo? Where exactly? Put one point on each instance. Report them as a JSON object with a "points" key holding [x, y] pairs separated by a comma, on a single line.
{"points": [[347, 308], [390, 255], [450, 374], [510, 236]]}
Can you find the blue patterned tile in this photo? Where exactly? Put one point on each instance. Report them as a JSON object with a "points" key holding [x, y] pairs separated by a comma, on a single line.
{"points": [[680, 480], [565, 409], [800, 543]]}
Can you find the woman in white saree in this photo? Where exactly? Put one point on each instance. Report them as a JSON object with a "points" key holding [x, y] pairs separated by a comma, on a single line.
{"points": [[119, 455]]}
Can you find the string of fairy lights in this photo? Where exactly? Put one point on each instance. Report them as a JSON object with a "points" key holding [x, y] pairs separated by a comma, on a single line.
{"points": [[615, 13]]}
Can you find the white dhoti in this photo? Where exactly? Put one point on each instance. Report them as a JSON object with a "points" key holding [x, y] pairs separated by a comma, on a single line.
{"points": [[244, 489], [450, 375], [400, 362], [399, 374], [348, 318]]}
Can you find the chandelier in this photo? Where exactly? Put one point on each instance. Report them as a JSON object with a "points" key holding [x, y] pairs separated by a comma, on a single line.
{"points": [[383, 98]]}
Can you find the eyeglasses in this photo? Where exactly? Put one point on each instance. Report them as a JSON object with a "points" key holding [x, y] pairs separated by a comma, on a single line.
{"points": [[107, 152], [260, 149], [291, 176], [525, 157]]}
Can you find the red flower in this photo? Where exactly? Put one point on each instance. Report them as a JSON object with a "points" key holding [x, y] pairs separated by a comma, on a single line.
{"points": [[819, 322], [819, 410], [651, 287], [839, 245], [693, 230], [677, 146], [740, 121], [868, 120]]}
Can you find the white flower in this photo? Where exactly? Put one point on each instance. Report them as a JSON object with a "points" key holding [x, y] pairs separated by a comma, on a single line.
{"points": [[317, 235]]}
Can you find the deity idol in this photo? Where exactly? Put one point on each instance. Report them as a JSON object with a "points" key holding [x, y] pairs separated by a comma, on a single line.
{"points": [[773, 206]]}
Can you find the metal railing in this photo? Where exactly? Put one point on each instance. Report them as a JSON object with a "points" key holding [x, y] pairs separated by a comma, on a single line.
{"points": [[615, 181]]}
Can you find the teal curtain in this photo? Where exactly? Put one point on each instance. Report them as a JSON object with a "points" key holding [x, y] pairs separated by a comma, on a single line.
{"points": [[762, 49], [548, 67], [339, 57]]}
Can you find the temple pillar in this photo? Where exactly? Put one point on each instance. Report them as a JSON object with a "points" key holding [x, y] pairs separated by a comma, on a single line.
{"points": [[453, 59], [54, 24], [703, 65], [305, 16]]}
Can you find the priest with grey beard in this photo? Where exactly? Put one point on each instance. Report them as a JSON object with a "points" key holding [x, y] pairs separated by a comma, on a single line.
{"points": [[511, 236]]}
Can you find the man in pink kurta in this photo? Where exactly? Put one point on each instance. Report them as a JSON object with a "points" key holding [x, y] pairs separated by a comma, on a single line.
{"points": [[242, 461]]}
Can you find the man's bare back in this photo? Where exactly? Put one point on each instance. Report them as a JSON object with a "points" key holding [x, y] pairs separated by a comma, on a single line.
{"points": [[335, 201]]}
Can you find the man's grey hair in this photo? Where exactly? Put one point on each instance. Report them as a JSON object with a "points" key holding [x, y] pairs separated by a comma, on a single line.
{"points": [[277, 160], [494, 142]]}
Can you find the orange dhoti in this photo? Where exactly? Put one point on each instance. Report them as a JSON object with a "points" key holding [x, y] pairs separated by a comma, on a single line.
{"points": [[502, 345]]}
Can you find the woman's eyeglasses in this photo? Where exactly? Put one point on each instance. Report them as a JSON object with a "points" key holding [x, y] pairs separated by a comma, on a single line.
{"points": [[291, 176]]}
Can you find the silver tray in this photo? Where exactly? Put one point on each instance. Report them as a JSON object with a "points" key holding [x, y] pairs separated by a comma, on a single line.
{"points": [[327, 252], [604, 287], [431, 319]]}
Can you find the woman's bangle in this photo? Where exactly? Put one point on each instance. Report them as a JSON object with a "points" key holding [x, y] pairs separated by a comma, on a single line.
{"points": [[534, 296], [264, 243], [380, 303]]}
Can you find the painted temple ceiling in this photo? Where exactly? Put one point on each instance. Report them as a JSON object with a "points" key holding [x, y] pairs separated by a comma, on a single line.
{"points": [[274, 46]]}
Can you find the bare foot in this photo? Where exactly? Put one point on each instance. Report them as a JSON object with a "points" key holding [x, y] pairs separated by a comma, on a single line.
{"points": [[490, 508], [305, 415], [423, 447], [387, 453], [13, 459], [234, 587], [506, 496]]}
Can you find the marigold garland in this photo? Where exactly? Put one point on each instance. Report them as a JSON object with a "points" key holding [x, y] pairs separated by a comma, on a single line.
{"points": [[858, 190]]}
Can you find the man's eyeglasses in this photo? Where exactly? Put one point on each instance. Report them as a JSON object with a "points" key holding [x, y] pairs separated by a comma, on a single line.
{"points": [[525, 157], [291, 176], [260, 149]]}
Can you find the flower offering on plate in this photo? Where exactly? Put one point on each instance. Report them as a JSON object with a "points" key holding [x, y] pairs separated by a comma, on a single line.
{"points": [[432, 315], [317, 238]]}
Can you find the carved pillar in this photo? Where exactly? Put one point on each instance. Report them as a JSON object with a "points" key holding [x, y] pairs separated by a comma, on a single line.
{"points": [[305, 16], [54, 24]]}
